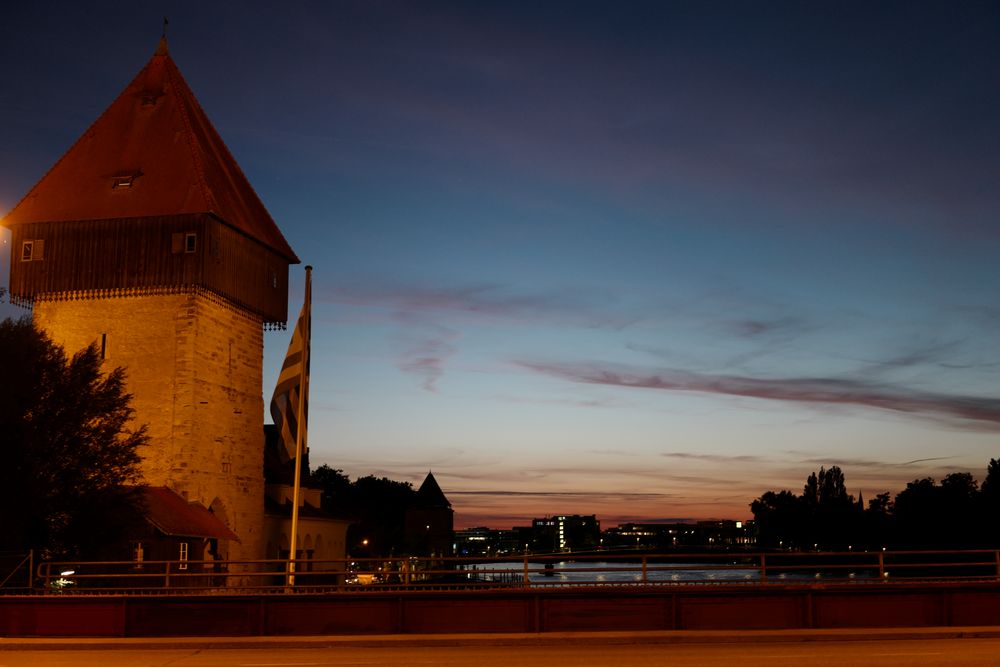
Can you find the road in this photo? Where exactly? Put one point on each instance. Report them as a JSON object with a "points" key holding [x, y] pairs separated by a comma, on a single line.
{"points": [[895, 653]]}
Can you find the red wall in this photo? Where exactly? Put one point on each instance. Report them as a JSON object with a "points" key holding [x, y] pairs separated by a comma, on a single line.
{"points": [[683, 608]]}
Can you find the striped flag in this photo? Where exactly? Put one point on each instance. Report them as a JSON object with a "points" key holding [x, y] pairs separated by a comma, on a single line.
{"points": [[293, 382]]}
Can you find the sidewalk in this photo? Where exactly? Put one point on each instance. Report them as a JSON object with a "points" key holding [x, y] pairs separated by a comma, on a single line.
{"points": [[531, 639]]}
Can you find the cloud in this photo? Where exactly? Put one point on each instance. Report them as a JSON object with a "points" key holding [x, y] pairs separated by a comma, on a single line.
{"points": [[573, 402], [758, 327], [964, 410], [427, 350], [713, 458], [595, 495], [870, 463], [569, 306]]}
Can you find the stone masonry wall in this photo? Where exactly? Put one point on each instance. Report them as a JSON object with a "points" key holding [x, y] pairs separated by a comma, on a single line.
{"points": [[194, 368]]}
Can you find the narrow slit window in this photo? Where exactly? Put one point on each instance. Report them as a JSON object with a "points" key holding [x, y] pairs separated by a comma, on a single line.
{"points": [[104, 346], [190, 242], [183, 556]]}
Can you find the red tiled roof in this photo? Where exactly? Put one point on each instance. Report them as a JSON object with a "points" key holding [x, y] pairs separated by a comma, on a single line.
{"points": [[156, 134], [174, 516]]}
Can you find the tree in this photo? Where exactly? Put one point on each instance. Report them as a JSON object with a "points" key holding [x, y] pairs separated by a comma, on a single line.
{"points": [[70, 468], [825, 515], [830, 514], [991, 485], [918, 514], [929, 515], [336, 487], [377, 503], [779, 519], [990, 503]]}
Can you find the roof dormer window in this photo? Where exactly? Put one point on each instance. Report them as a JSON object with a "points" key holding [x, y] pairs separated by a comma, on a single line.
{"points": [[122, 182]]}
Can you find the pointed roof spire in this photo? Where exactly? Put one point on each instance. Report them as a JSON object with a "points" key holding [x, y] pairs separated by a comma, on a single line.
{"points": [[161, 49], [155, 138], [430, 494]]}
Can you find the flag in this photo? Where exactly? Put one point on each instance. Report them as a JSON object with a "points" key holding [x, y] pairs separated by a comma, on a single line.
{"points": [[293, 383]]}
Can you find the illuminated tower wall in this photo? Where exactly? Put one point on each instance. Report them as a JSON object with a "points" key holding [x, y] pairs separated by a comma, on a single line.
{"points": [[147, 240]]}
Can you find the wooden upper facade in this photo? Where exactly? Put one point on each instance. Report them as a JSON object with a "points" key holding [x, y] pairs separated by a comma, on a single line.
{"points": [[143, 255], [150, 198]]}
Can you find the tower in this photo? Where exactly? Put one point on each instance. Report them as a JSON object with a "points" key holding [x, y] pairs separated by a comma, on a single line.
{"points": [[146, 239], [429, 522]]}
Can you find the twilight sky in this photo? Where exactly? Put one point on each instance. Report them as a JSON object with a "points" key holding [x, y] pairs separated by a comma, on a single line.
{"points": [[640, 259]]}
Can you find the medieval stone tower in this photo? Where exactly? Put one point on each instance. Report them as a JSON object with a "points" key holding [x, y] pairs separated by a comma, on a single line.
{"points": [[146, 239]]}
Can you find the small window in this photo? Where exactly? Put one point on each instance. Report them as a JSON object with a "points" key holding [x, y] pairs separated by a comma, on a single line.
{"points": [[33, 250], [122, 182], [138, 554], [104, 346], [190, 242], [183, 556]]}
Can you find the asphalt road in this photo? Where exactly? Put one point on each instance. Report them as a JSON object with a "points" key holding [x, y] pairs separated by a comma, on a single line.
{"points": [[894, 653]]}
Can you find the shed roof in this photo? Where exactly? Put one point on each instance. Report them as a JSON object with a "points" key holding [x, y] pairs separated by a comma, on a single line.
{"points": [[152, 152], [175, 516]]}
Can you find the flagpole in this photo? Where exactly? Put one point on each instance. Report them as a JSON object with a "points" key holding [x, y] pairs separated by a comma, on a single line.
{"points": [[300, 427]]}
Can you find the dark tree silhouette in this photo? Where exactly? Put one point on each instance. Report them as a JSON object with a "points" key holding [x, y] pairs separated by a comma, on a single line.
{"points": [[780, 518], [991, 484], [824, 516], [336, 487], [990, 504], [70, 452], [954, 514], [377, 503], [946, 516]]}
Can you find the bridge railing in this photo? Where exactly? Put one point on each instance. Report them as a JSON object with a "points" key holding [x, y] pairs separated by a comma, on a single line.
{"points": [[534, 571]]}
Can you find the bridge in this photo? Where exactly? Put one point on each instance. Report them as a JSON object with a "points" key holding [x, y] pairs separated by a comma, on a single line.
{"points": [[535, 594]]}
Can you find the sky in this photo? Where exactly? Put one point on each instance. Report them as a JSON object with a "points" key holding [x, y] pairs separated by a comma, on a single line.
{"points": [[644, 260]]}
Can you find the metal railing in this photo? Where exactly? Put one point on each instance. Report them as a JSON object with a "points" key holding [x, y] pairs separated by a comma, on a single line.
{"points": [[565, 570], [16, 570]]}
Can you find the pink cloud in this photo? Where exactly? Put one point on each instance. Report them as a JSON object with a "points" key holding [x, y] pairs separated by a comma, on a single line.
{"points": [[576, 307], [981, 412], [427, 351]]}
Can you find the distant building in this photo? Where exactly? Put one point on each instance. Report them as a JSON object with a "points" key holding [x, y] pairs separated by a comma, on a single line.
{"points": [[429, 522], [649, 536], [480, 541], [666, 536], [180, 531], [727, 533], [517, 540], [322, 537], [566, 533], [582, 533]]}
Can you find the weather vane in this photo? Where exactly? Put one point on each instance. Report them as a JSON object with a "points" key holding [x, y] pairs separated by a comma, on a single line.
{"points": [[165, 23]]}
